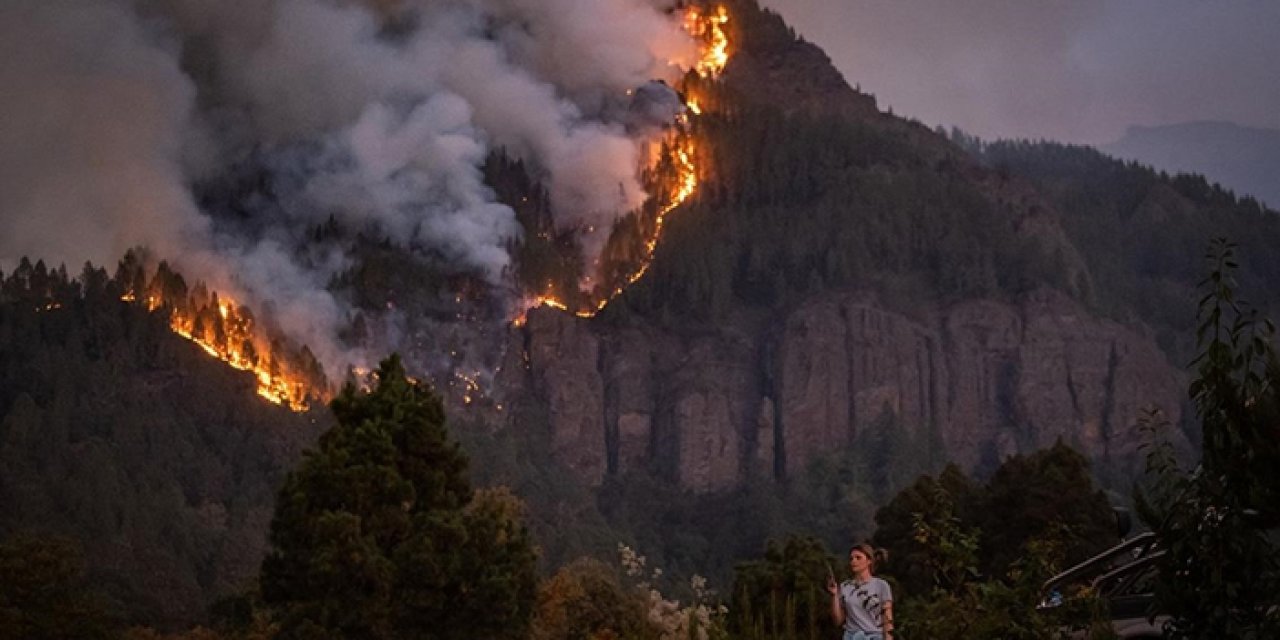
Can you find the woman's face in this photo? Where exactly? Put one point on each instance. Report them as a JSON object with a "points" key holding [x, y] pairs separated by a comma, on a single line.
{"points": [[858, 561]]}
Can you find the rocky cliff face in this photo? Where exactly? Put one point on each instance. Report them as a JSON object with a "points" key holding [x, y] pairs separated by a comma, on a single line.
{"points": [[981, 378], [978, 380]]}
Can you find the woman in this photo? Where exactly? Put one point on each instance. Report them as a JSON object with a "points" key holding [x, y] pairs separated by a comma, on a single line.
{"points": [[863, 605]]}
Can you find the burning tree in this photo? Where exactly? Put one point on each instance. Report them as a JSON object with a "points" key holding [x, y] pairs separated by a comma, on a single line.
{"points": [[286, 374]]}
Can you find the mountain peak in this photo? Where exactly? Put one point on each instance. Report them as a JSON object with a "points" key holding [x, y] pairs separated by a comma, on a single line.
{"points": [[773, 65]]}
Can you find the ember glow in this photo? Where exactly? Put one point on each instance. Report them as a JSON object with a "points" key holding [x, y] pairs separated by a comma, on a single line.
{"points": [[226, 330], [290, 178], [681, 147], [708, 29]]}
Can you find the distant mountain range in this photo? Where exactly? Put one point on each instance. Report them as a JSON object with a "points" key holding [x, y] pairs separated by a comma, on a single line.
{"points": [[1243, 159]]}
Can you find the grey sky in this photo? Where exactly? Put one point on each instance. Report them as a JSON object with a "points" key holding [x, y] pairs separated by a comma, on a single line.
{"points": [[1078, 71]]}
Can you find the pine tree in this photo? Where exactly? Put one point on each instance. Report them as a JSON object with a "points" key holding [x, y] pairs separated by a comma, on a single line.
{"points": [[377, 535]]}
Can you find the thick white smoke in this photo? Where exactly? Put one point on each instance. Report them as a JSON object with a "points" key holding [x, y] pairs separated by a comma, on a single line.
{"points": [[92, 123], [377, 114]]}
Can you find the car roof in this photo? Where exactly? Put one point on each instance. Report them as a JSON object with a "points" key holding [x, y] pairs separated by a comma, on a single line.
{"points": [[1106, 563]]}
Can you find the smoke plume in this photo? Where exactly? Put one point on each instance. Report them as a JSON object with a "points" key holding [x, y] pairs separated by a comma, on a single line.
{"points": [[377, 115]]}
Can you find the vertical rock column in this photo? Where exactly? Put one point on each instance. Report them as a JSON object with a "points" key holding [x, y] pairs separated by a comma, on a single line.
{"points": [[564, 358], [715, 397], [842, 363], [629, 399]]}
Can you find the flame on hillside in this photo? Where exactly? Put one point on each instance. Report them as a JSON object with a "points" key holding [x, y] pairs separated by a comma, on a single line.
{"points": [[227, 330], [708, 28]]}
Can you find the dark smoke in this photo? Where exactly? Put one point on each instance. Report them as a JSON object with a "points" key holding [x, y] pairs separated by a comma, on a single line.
{"points": [[119, 117]]}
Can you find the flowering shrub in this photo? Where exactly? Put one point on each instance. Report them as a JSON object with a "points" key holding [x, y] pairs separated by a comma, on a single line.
{"points": [[701, 619]]}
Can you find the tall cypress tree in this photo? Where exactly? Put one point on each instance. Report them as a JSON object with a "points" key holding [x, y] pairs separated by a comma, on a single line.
{"points": [[377, 534]]}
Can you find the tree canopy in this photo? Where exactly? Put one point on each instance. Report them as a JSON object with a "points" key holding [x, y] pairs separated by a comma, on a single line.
{"points": [[1047, 494], [377, 534], [45, 593]]}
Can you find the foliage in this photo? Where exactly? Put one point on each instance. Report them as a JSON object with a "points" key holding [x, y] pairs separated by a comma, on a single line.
{"points": [[963, 604], [937, 505], [865, 204], [45, 594], [1220, 571], [783, 594], [1033, 496], [377, 534], [1047, 494], [586, 599], [701, 619], [562, 511], [159, 461], [1135, 228]]}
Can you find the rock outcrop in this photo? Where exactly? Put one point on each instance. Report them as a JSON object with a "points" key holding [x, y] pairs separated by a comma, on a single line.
{"points": [[981, 378], [978, 380]]}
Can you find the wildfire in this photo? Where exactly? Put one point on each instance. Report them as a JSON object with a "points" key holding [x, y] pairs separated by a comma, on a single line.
{"points": [[226, 330], [550, 300], [469, 384], [710, 29], [707, 28]]}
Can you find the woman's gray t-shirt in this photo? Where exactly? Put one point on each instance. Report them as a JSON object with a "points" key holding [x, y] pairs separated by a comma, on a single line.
{"points": [[864, 604]]}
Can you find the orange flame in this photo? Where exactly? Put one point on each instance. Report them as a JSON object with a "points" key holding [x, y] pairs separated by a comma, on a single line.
{"points": [[686, 185], [241, 344], [709, 30]]}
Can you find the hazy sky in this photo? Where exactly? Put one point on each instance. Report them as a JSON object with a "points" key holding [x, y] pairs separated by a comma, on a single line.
{"points": [[1078, 70]]}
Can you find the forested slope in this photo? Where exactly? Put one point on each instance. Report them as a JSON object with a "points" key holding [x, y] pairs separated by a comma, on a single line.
{"points": [[1144, 233], [161, 461]]}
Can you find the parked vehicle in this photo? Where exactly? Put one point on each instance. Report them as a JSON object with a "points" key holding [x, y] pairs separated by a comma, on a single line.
{"points": [[1124, 577]]}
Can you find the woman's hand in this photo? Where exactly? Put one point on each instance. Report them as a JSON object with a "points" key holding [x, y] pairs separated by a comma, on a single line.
{"points": [[837, 607]]}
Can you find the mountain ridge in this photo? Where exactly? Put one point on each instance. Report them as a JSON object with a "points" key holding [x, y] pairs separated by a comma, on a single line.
{"points": [[1241, 158], [714, 398]]}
